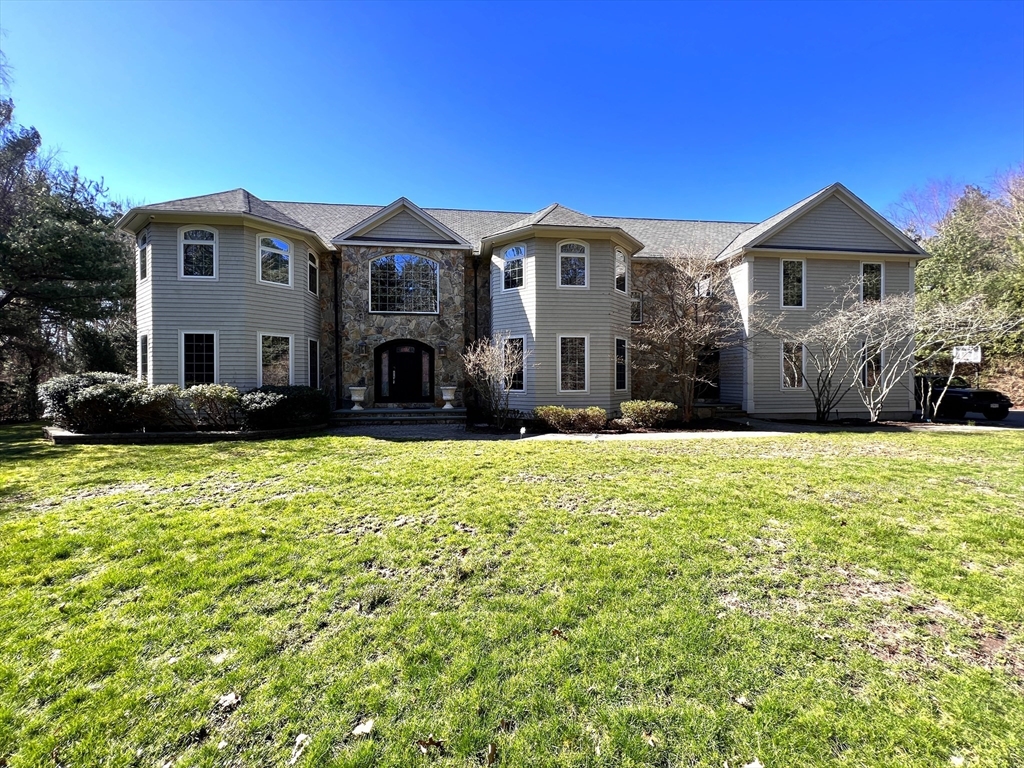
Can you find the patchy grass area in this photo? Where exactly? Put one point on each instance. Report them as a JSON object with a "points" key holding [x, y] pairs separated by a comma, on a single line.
{"points": [[806, 601]]}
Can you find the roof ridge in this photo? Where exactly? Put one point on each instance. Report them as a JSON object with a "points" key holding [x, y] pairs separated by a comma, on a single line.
{"points": [[688, 221]]}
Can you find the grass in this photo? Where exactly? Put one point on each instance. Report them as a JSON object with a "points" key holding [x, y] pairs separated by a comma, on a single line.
{"points": [[850, 600]]}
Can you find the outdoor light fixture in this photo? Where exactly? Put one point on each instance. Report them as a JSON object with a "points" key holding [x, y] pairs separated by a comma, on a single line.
{"points": [[442, 349], [364, 350]]}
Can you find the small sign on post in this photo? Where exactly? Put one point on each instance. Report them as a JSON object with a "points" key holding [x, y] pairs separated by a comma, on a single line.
{"points": [[967, 354]]}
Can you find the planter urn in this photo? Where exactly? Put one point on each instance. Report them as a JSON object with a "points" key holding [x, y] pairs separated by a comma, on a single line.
{"points": [[448, 395], [358, 394]]}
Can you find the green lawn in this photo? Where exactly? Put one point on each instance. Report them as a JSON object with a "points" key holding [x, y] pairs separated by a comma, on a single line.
{"points": [[861, 596]]}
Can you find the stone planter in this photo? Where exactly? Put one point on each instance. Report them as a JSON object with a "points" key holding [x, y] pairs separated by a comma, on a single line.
{"points": [[448, 395], [358, 394]]}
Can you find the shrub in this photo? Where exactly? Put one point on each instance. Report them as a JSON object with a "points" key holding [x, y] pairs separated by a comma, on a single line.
{"points": [[215, 405], [644, 414], [565, 419], [281, 407], [160, 408], [67, 405]]}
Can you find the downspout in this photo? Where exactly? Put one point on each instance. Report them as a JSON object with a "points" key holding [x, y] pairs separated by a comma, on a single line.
{"points": [[337, 337], [476, 298]]}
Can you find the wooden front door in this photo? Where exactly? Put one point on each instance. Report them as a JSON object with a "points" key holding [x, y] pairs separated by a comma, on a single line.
{"points": [[404, 372]]}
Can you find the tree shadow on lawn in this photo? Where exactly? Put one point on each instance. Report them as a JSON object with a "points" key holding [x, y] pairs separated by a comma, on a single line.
{"points": [[22, 441]]}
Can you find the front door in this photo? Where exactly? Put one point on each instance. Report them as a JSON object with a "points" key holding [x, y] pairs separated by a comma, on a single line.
{"points": [[404, 372]]}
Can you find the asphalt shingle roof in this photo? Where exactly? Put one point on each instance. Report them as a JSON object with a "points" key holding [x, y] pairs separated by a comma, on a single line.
{"points": [[660, 237]]}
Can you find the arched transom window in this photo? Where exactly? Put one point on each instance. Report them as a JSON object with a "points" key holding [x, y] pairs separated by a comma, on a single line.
{"points": [[403, 282], [513, 272], [275, 260], [572, 265], [197, 252]]}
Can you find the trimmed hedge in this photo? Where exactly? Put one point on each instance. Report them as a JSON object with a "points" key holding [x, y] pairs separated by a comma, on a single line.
{"points": [[644, 414], [110, 402], [564, 419], [279, 407]]}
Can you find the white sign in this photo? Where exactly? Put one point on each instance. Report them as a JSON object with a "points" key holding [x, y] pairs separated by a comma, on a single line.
{"points": [[968, 354]]}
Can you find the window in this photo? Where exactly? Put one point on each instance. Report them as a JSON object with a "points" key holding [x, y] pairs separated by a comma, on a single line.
{"points": [[314, 364], [516, 345], [513, 268], [620, 271], [871, 373], [197, 253], [314, 275], [870, 282], [144, 358], [572, 363], [636, 307], [572, 265], [403, 283], [275, 360], [792, 365], [143, 256], [620, 363], [198, 358], [792, 284], [275, 260]]}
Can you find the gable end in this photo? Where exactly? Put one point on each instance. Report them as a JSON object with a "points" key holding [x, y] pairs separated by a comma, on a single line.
{"points": [[834, 226]]}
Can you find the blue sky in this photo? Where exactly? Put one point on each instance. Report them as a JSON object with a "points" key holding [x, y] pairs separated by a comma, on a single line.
{"points": [[716, 111]]}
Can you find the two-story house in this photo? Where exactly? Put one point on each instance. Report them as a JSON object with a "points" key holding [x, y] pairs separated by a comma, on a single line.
{"points": [[234, 289]]}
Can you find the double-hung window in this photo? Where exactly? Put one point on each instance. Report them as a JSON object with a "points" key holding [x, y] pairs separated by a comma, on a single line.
{"points": [[621, 270], [515, 370], [636, 307], [275, 260], [572, 363], [512, 272], [871, 281], [275, 360], [314, 275], [572, 265], [198, 358], [143, 256], [620, 364], [792, 365], [144, 358], [197, 253], [792, 280]]}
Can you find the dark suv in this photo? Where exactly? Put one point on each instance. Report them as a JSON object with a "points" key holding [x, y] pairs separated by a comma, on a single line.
{"points": [[961, 398]]}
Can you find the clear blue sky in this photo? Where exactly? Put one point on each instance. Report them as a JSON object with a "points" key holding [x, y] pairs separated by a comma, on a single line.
{"points": [[718, 111]]}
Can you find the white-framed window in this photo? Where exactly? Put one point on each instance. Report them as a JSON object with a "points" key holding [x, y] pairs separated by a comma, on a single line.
{"points": [[199, 364], [871, 371], [517, 381], [621, 364], [573, 367], [275, 263], [197, 252], [143, 256], [144, 357], [275, 360], [636, 307], [314, 274], [573, 271], [405, 283], [513, 259], [621, 271], [792, 365], [872, 281], [314, 364], [792, 283]]}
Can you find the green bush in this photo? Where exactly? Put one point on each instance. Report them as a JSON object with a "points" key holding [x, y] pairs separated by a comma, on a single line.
{"points": [[281, 407], [564, 419], [160, 407], [215, 405], [644, 414], [90, 402]]}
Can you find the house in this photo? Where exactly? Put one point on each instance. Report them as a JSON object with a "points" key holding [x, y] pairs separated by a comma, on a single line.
{"points": [[235, 289]]}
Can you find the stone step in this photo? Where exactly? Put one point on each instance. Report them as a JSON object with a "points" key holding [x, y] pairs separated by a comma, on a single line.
{"points": [[349, 417]]}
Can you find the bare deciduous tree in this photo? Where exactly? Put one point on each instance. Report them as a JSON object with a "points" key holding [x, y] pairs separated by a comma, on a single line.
{"points": [[691, 312], [493, 365]]}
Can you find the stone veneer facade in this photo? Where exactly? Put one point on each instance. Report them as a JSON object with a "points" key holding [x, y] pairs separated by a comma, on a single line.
{"points": [[358, 324]]}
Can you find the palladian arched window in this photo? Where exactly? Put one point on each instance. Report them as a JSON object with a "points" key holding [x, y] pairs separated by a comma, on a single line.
{"points": [[403, 282]]}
